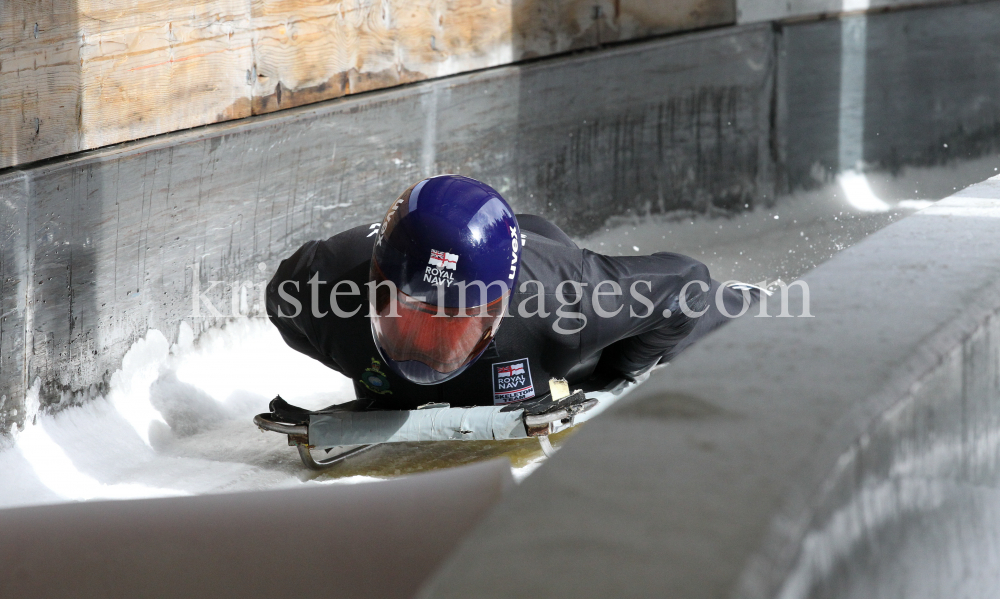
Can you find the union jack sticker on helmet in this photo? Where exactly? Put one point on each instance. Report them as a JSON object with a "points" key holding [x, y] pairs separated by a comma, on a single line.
{"points": [[443, 260]]}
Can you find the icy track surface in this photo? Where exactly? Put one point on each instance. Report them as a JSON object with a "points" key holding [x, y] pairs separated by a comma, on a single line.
{"points": [[177, 421]]}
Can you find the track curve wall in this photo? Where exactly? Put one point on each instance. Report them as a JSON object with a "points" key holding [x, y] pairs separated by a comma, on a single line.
{"points": [[852, 454]]}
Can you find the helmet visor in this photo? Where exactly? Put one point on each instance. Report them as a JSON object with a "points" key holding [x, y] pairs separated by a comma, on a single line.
{"points": [[445, 339]]}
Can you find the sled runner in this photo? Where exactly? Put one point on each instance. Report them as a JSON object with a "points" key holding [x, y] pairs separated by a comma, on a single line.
{"points": [[343, 431]]}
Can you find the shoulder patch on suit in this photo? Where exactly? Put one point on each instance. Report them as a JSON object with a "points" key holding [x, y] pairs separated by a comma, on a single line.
{"points": [[374, 379]]}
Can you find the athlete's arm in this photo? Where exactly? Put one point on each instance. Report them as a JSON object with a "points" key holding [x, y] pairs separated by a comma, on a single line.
{"points": [[648, 321], [289, 294]]}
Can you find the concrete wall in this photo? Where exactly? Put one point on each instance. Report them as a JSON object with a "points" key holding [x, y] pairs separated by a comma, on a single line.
{"points": [[851, 454], [97, 248], [755, 11], [869, 92]]}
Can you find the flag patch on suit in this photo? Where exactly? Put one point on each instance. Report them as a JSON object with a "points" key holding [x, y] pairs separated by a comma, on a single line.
{"points": [[512, 381]]}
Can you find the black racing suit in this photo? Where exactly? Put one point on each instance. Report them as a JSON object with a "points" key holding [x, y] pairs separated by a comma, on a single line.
{"points": [[551, 330]]}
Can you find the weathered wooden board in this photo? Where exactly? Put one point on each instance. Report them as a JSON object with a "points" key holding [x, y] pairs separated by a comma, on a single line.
{"points": [[40, 105], [83, 74]]}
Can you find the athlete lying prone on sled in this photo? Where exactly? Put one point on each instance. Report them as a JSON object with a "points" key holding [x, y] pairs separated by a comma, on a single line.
{"points": [[453, 299]]}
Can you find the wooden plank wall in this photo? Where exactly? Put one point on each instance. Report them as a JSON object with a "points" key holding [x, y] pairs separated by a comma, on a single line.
{"points": [[81, 74]]}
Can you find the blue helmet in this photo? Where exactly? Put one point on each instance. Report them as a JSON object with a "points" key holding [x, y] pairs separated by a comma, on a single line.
{"points": [[446, 260]]}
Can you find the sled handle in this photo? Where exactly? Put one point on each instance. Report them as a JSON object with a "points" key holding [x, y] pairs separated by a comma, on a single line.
{"points": [[266, 424]]}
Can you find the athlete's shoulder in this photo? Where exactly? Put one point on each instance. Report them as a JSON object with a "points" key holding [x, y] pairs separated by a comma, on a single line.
{"points": [[544, 229], [346, 250], [350, 247], [338, 254]]}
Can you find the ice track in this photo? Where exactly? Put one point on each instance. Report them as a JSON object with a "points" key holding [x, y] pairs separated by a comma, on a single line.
{"points": [[175, 422]]}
